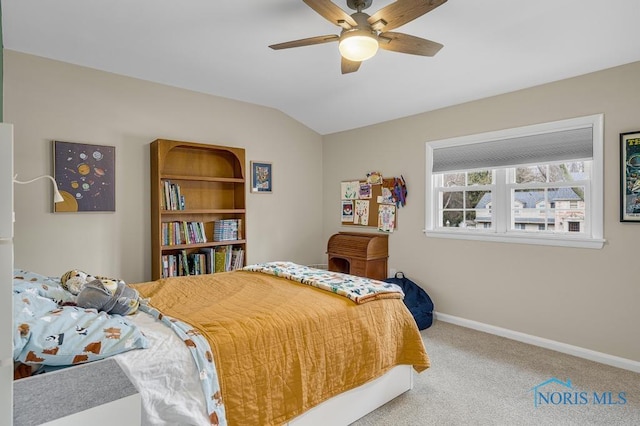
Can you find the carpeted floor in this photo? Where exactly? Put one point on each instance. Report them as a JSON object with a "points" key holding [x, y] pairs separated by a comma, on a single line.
{"points": [[481, 379]]}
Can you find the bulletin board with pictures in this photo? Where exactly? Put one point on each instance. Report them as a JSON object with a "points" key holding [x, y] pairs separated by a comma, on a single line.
{"points": [[373, 201]]}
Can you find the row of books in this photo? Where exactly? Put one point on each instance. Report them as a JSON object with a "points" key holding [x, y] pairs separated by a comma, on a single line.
{"points": [[172, 198], [174, 265], [227, 230], [224, 258], [208, 261], [183, 232]]}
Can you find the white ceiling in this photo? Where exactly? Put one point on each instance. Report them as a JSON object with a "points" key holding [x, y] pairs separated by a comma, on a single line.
{"points": [[220, 47]]}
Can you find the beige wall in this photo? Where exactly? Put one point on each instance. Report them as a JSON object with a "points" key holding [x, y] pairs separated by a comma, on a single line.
{"points": [[48, 100], [582, 297]]}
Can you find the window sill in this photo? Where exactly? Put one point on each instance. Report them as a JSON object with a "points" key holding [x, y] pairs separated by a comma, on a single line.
{"points": [[547, 240]]}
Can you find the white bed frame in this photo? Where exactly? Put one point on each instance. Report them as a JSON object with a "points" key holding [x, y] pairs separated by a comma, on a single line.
{"points": [[6, 273], [349, 406]]}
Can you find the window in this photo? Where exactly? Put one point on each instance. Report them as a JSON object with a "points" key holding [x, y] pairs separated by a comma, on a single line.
{"points": [[539, 184], [574, 226]]}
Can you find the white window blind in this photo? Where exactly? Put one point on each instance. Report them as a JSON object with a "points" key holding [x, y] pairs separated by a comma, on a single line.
{"points": [[548, 147]]}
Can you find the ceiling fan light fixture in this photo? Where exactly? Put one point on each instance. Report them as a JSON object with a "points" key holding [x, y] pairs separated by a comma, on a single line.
{"points": [[358, 45]]}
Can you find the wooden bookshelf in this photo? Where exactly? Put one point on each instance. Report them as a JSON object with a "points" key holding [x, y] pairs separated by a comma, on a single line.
{"points": [[211, 181]]}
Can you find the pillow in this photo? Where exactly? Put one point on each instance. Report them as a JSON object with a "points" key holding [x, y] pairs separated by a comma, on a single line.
{"points": [[50, 335], [41, 285]]}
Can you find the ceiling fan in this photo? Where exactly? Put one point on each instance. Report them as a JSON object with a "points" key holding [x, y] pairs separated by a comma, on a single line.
{"points": [[362, 34]]}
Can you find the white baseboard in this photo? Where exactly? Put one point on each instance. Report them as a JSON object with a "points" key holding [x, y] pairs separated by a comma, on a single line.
{"points": [[600, 357]]}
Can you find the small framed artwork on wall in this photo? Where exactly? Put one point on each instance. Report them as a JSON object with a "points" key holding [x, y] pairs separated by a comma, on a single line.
{"points": [[630, 177], [261, 177], [86, 177]]}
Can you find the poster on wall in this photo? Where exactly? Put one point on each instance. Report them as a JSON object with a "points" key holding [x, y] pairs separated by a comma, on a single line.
{"points": [[261, 177], [386, 217], [361, 213], [630, 177], [86, 177], [365, 191], [349, 190], [347, 211]]}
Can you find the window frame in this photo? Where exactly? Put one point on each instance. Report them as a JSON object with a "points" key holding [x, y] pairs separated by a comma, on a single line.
{"points": [[593, 239]]}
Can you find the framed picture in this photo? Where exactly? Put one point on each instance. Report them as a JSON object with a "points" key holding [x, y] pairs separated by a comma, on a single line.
{"points": [[261, 177], [347, 210], [86, 177], [630, 177]]}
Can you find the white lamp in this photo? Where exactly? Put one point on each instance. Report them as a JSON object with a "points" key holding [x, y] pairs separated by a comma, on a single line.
{"points": [[56, 194], [358, 45]]}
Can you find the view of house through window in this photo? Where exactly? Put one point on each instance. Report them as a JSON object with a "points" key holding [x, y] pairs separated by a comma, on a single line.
{"points": [[543, 198], [465, 199], [541, 181]]}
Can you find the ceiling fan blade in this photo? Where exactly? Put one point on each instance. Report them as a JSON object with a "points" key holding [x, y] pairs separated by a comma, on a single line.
{"points": [[405, 43], [400, 12], [305, 42], [348, 66], [331, 12]]}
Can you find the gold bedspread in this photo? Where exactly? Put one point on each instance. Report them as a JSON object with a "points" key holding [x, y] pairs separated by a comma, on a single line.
{"points": [[282, 347]]}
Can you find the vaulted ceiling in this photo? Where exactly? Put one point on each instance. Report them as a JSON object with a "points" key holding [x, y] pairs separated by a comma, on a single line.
{"points": [[219, 47]]}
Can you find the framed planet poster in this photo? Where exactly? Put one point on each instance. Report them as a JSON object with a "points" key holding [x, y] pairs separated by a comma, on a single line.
{"points": [[86, 177]]}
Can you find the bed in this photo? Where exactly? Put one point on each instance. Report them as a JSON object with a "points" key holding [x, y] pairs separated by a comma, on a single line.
{"points": [[274, 343]]}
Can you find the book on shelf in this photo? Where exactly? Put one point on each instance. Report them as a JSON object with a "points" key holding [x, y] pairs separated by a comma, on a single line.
{"points": [[209, 259], [184, 263], [197, 264], [172, 198], [174, 233], [237, 258], [220, 259], [170, 266], [227, 230], [167, 265], [228, 258]]}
